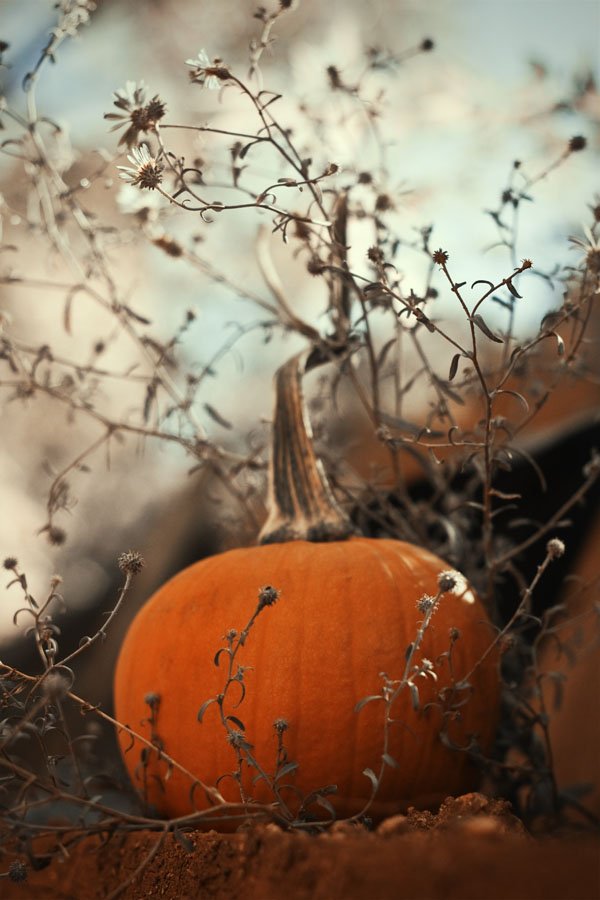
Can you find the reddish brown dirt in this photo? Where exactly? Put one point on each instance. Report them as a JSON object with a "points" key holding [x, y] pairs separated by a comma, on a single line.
{"points": [[473, 850]]}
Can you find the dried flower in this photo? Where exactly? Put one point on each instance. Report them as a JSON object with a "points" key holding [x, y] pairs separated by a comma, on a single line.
{"points": [[427, 44], [57, 536], [152, 699], [145, 171], [578, 142], [383, 203], [440, 257], [267, 596], [555, 548], [10, 563], [170, 246], [591, 248], [206, 73], [426, 604], [460, 585], [17, 871], [447, 581], [281, 725], [235, 738], [335, 80], [131, 562], [138, 115], [375, 254]]}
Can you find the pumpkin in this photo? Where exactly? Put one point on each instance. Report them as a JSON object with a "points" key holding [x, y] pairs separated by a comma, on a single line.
{"points": [[347, 612]]}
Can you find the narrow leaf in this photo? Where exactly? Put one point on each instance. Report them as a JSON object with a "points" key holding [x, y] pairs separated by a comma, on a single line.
{"points": [[218, 655], [324, 802], [372, 777], [496, 493], [237, 722], [204, 707], [480, 322], [286, 770], [389, 761], [414, 695], [366, 700], [454, 366], [514, 394], [217, 417]]}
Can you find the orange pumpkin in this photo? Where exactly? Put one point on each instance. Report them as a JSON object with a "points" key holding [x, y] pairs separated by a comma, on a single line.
{"points": [[347, 612]]}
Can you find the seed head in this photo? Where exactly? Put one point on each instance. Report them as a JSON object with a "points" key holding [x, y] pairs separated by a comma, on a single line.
{"points": [[335, 80], [281, 725], [426, 604], [578, 142], [144, 171], [152, 699], [10, 563], [170, 246], [427, 44], [17, 871], [441, 257], [267, 596], [57, 536], [235, 738], [131, 562], [375, 255], [555, 548], [447, 581]]}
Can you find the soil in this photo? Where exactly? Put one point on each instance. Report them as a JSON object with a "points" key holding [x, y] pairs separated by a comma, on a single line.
{"points": [[473, 849]]}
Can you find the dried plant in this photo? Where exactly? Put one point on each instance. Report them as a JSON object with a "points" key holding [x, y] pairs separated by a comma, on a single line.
{"points": [[438, 374]]}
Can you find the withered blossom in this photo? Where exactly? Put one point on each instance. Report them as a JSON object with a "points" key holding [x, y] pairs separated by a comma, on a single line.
{"points": [[145, 171], [207, 74], [590, 245], [138, 114]]}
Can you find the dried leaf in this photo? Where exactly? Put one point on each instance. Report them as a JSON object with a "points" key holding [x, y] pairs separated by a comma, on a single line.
{"points": [[204, 707], [480, 322], [217, 417], [389, 761], [372, 777], [454, 366], [365, 700]]}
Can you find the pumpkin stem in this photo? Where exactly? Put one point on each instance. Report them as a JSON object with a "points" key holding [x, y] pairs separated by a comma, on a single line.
{"points": [[301, 502]]}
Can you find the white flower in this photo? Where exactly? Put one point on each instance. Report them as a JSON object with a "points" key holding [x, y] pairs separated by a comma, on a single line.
{"points": [[145, 170], [132, 94], [206, 73], [590, 247], [137, 114]]}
